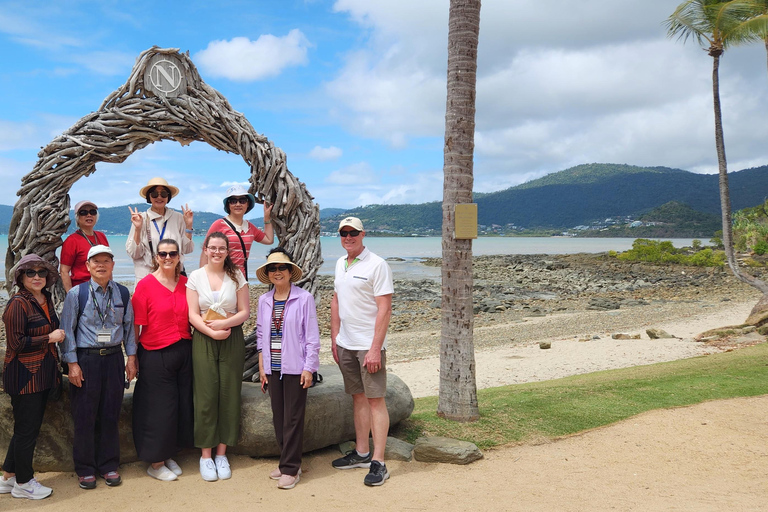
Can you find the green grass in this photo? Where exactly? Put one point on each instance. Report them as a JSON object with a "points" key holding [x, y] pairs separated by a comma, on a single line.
{"points": [[529, 413]]}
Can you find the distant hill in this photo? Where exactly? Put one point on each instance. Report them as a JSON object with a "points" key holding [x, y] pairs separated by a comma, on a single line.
{"points": [[582, 195], [587, 193]]}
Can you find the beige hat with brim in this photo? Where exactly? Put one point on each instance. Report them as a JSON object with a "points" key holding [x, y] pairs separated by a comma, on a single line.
{"points": [[157, 182], [277, 258]]}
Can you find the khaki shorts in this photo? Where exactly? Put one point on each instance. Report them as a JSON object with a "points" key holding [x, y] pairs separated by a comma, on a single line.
{"points": [[356, 377]]}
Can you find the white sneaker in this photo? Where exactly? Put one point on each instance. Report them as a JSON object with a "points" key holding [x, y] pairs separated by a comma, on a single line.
{"points": [[208, 470], [32, 490], [222, 467], [6, 486], [161, 473], [173, 466]]}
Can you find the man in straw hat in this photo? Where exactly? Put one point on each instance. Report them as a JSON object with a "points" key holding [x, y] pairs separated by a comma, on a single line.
{"points": [[360, 311], [98, 320]]}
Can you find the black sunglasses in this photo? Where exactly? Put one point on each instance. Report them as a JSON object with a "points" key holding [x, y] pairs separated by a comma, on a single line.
{"points": [[162, 193], [276, 268], [235, 200], [30, 272], [168, 254], [353, 233], [83, 213]]}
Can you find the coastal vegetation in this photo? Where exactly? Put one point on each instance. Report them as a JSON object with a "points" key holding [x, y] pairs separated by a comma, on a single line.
{"points": [[539, 411], [652, 251]]}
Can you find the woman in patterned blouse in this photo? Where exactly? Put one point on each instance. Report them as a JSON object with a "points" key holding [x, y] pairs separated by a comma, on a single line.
{"points": [[30, 370]]}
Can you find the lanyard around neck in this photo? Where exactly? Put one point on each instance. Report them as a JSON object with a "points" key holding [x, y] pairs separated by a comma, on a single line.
{"points": [[102, 316]]}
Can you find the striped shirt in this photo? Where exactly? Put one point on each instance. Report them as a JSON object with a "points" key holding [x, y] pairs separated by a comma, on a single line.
{"points": [[276, 335], [30, 361]]}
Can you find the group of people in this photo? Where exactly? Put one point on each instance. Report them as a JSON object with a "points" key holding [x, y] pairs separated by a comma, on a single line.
{"points": [[182, 338]]}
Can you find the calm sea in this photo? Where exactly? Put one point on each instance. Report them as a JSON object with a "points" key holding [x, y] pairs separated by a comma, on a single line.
{"points": [[411, 250]]}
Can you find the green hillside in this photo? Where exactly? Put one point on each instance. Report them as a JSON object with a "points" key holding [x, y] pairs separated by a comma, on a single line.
{"points": [[584, 195]]}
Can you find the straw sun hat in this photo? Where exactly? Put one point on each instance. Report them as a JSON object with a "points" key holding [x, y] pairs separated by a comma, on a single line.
{"points": [[278, 258], [158, 182]]}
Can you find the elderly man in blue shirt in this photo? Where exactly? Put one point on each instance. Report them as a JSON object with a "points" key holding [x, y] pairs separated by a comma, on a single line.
{"points": [[98, 321]]}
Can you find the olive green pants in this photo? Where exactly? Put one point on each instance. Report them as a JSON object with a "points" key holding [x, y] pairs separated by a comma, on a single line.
{"points": [[217, 379]]}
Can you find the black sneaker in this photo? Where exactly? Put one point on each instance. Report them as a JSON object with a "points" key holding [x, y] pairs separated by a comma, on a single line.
{"points": [[353, 460], [377, 474]]}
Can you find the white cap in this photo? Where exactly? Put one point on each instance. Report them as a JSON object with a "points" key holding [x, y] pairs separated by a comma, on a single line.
{"points": [[352, 222], [100, 249]]}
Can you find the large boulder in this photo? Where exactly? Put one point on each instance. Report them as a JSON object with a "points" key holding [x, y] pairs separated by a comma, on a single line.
{"points": [[329, 421]]}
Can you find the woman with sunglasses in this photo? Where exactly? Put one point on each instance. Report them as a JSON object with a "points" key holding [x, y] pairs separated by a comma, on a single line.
{"points": [[162, 399], [157, 223], [74, 251], [288, 340], [219, 303], [241, 233], [30, 370]]}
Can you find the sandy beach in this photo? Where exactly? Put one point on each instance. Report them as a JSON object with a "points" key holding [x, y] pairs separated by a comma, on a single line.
{"points": [[712, 456]]}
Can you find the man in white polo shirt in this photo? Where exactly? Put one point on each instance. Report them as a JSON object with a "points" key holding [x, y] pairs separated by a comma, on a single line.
{"points": [[360, 312]]}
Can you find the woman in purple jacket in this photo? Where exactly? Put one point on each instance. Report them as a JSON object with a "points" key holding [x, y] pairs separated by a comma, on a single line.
{"points": [[289, 346]]}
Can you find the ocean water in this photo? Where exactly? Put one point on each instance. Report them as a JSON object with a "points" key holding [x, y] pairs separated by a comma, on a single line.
{"points": [[410, 249]]}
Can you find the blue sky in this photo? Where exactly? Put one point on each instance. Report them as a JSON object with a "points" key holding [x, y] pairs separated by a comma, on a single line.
{"points": [[354, 91]]}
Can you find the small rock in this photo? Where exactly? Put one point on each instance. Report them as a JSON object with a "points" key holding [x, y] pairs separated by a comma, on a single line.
{"points": [[657, 334], [446, 450], [622, 336], [545, 345]]}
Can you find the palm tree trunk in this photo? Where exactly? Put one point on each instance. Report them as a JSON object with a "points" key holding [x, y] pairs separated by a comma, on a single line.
{"points": [[725, 196], [457, 398]]}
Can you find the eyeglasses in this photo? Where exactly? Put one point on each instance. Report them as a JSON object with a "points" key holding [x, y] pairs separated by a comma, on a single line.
{"points": [[162, 193], [217, 249], [353, 233], [276, 268], [167, 254], [83, 213], [30, 272], [236, 200]]}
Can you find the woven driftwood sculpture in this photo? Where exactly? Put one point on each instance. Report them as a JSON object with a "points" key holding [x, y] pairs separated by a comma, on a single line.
{"points": [[136, 115]]}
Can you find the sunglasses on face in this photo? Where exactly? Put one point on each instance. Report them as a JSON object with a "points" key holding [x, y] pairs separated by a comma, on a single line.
{"points": [[352, 232], [162, 193], [236, 200], [167, 254], [30, 272], [83, 213], [276, 268]]}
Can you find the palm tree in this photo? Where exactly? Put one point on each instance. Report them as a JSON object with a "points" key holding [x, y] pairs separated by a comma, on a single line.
{"points": [[717, 25], [457, 399]]}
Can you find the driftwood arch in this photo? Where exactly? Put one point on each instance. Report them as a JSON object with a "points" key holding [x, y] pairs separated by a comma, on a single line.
{"points": [[164, 98]]}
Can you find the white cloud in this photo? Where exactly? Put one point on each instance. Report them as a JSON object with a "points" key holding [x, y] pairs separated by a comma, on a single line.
{"points": [[243, 60], [356, 174], [324, 154]]}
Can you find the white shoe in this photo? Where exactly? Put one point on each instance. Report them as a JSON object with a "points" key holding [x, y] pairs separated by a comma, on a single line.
{"points": [[173, 466], [6, 486], [32, 490], [222, 467], [208, 470], [161, 473]]}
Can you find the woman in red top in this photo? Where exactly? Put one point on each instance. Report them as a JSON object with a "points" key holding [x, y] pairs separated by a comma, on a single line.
{"points": [[29, 373], [74, 251], [162, 400]]}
